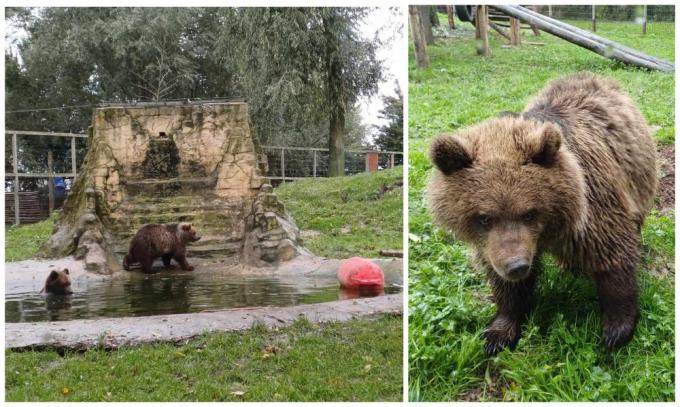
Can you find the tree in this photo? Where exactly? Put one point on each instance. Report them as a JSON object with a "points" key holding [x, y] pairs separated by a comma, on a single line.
{"points": [[390, 136]]}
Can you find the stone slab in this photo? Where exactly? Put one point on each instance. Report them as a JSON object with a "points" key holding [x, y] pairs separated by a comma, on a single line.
{"points": [[111, 333]]}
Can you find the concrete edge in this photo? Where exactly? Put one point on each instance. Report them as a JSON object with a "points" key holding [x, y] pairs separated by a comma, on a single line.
{"points": [[112, 333]]}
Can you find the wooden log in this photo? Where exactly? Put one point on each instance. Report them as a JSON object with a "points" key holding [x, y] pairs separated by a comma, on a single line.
{"points": [[50, 181], [600, 47], [450, 14], [515, 38], [482, 22], [597, 38], [422, 60], [499, 30], [391, 253]]}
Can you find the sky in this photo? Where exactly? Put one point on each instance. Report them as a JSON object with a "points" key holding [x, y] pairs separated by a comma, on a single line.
{"points": [[389, 25]]}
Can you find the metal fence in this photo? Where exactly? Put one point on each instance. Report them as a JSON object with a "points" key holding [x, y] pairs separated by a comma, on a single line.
{"points": [[291, 163], [641, 15], [30, 193]]}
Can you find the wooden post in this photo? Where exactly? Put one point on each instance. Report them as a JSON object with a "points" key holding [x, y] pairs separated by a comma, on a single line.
{"points": [[15, 165], [594, 21], [283, 165], [422, 60], [549, 11], [482, 27], [314, 165], [515, 38], [424, 12], [392, 160], [450, 14], [644, 22], [367, 167], [50, 181], [73, 158], [534, 29]]}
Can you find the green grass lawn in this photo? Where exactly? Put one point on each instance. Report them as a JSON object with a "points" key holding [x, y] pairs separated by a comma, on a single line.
{"points": [[560, 356], [348, 216], [356, 361], [22, 242]]}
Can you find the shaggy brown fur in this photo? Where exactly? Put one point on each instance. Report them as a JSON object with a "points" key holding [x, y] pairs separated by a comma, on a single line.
{"points": [[166, 241], [573, 175], [58, 282]]}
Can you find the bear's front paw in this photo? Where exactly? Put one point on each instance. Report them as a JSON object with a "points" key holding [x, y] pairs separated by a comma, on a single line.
{"points": [[189, 268], [503, 332], [617, 333]]}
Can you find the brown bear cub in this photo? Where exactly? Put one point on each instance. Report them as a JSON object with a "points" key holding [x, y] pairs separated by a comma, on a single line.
{"points": [[58, 282], [166, 241], [573, 175]]}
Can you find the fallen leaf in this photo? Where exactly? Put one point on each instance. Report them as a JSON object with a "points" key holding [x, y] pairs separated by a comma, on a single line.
{"points": [[238, 393], [66, 391]]}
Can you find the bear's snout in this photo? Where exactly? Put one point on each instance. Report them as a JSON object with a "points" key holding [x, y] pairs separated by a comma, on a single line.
{"points": [[517, 269], [196, 238]]}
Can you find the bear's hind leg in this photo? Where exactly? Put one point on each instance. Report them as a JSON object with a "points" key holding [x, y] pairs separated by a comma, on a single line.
{"points": [[617, 292]]}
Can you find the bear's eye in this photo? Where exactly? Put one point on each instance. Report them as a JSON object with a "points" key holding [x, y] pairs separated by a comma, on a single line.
{"points": [[529, 216], [484, 220]]}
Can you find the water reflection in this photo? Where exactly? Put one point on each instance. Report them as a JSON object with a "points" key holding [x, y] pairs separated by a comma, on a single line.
{"points": [[175, 293]]}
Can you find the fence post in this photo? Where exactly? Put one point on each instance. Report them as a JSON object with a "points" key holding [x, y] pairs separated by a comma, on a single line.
{"points": [[367, 169], [644, 22], [314, 166], [550, 11], [50, 182], [283, 166], [594, 21], [392, 160], [15, 165], [73, 158]]}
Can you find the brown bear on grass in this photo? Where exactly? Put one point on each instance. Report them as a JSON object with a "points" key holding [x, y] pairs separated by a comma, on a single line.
{"points": [[58, 282], [573, 175], [166, 241]]}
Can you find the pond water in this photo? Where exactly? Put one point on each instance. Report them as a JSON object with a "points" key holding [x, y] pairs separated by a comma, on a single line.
{"points": [[177, 292]]}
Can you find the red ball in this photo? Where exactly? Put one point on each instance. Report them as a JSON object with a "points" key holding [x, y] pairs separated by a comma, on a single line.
{"points": [[358, 272]]}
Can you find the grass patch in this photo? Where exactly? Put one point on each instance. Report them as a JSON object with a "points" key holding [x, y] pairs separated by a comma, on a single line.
{"points": [[351, 216], [23, 242], [225, 367], [560, 356]]}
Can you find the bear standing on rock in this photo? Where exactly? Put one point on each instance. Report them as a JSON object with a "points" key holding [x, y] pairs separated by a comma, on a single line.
{"points": [[573, 175], [166, 241]]}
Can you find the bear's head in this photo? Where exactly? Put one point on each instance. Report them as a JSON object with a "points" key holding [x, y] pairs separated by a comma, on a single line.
{"points": [[187, 233], [58, 282], [509, 187]]}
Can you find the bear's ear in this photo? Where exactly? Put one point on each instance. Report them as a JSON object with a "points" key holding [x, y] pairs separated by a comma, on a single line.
{"points": [[449, 155], [186, 226], [549, 145], [53, 275], [66, 271]]}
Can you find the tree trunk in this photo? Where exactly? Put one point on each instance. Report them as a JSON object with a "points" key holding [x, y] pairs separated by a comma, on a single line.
{"points": [[336, 103], [482, 26], [452, 21], [418, 37], [426, 23]]}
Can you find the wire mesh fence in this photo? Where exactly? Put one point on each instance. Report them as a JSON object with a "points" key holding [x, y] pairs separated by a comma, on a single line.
{"points": [[40, 169], [615, 13]]}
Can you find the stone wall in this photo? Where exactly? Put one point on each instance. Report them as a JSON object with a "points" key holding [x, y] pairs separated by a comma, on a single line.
{"points": [[197, 162]]}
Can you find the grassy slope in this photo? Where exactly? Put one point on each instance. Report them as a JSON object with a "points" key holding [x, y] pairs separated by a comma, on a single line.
{"points": [[351, 214], [560, 356], [215, 366], [22, 242], [218, 367]]}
